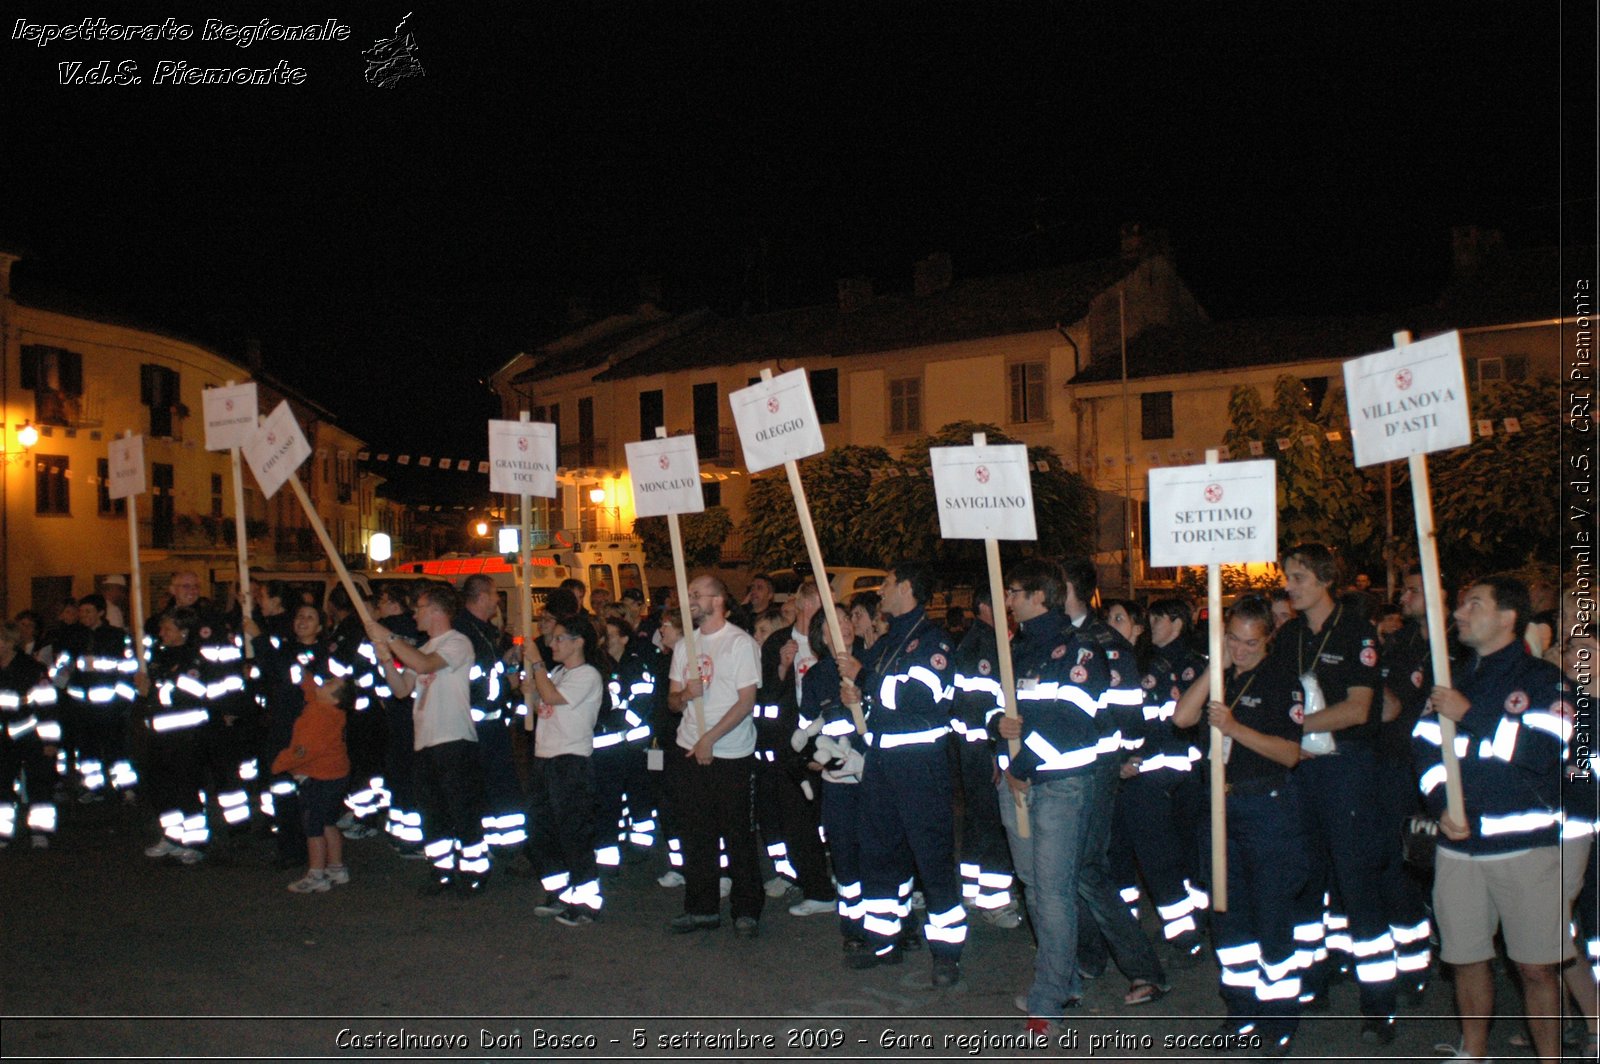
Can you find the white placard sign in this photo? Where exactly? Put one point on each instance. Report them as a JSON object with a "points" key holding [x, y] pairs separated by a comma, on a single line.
{"points": [[1409, 400], [522, 458], [230, 415], [276, 449], [666, 477], [1223, 514], [125, 467], [777, 421], [983, 492]]}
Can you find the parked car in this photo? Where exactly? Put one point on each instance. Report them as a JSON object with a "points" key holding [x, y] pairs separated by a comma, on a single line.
{"points": [[844, 580]]}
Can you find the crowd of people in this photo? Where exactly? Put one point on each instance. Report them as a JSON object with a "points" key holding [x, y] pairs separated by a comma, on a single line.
{"points": [[880, 777]]}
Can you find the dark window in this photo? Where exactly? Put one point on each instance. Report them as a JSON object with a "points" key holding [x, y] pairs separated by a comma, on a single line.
{"points": [[707, 423], [652, 413], [711, 492], [586, 431], [55, 376], [50, 484], [825, 394], [629, 576], [905, 405], [555, 419], [1028, 392], [1155, 416], [104, 503], [1316, 391], [161, 508], [158, 389]]}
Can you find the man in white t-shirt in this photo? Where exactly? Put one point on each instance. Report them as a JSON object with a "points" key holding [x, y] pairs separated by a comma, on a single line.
{"points": [[449, 776], [711, 775]]}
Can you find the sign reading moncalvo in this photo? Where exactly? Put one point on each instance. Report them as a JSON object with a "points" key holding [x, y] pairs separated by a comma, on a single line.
{"points": [[125, 467], [1411, 400], [777, 421], [276, 449], [983, 492], [1223, 514], [666, 477], [230, 415], [522, 458]]}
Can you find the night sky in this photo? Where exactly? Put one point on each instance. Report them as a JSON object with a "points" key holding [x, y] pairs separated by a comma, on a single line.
{"points": [[393, 246]]}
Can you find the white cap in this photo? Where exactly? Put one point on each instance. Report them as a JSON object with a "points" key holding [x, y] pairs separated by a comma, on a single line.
{"points": [[114, 581]]}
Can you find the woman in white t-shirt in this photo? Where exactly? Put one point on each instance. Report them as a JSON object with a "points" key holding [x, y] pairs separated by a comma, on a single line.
{"points": [[562, 807]]}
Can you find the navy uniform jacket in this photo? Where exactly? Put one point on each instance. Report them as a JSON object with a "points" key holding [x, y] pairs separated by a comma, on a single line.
{"points": [[1512, 744], [487, 680], [632, 704], [27, 702], [103, 667], [905, 686], [1407, 671], [1122, 702], [976, 675], [1169, 672], [1061, 682]]}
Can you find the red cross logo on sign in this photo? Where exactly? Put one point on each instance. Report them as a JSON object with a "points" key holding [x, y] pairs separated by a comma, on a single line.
{"points": [[982, 474], [1213, 493], [664, 461], [272, 439], [772, 404], [522, 443], [1402, 380], [227, 404]]}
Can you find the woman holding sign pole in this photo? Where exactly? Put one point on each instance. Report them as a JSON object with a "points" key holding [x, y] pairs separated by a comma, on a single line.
{"points": [[1259, 717]]}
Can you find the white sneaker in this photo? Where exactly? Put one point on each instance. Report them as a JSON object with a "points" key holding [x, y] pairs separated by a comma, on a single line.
{"points": [[338, 875], [672, 878], [811, 907], [188, 856], [313, 883], [164, 848], [725, 886], [776, 887]]}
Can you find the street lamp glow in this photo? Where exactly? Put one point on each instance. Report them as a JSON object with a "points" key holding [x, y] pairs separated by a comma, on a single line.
{"points": [[380, 548], [27, 435], [481, 528], [509, 541], [597, 495]]}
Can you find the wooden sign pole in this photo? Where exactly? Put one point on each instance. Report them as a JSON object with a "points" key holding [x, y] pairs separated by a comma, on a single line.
{"points": [[240, 542], [691, 650], [1002, 642], [333, 554], [525, 602], [1219, 781], [1433, 596], [814, 551], [136, 599]]}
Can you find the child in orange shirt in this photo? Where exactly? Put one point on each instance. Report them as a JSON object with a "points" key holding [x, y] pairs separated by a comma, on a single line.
{"points": [[317, 758]]}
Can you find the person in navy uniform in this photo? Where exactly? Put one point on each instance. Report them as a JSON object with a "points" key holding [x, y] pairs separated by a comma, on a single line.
{"points": [[1259, 717], [505, 821], [1157, 808], [907, 823], [30, 734], [1502, 868], [986, 872], [1334, 651], [1059, 770], [1407, 676]]}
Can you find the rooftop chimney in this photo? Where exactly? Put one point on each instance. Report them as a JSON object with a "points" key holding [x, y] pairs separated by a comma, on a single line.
{"points": [[854, 293], [931, 274]]}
